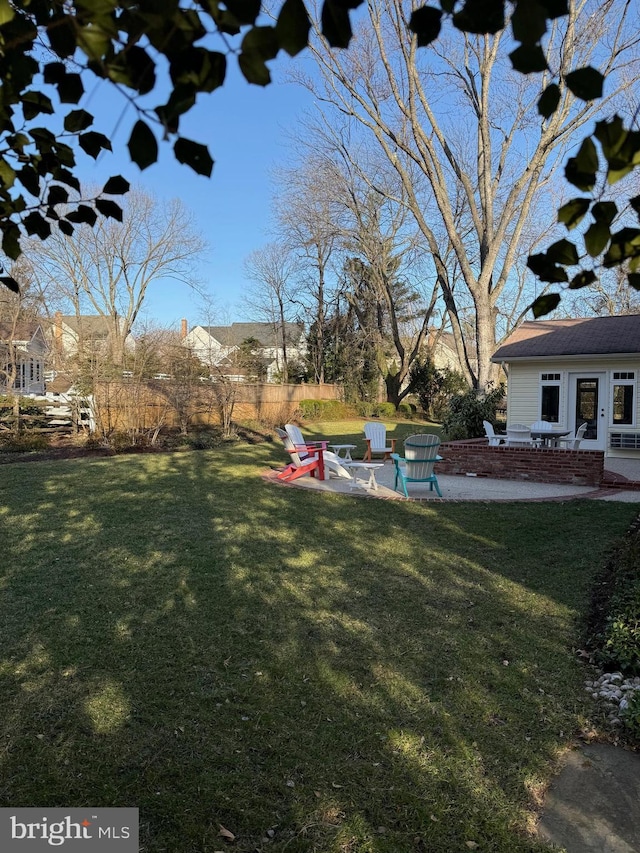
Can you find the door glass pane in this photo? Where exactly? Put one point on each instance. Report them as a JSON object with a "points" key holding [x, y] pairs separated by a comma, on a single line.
{"points": [[550, 408], [587, 406]]}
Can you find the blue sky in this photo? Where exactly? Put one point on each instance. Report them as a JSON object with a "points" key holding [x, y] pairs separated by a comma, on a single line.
{"points": [[245, 128]]}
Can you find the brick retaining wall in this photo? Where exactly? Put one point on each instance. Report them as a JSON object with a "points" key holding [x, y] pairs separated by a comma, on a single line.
{"points": [[577, 467]]}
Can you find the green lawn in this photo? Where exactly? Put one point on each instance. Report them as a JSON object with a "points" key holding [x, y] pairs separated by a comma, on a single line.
{"points": [[312, 672]]}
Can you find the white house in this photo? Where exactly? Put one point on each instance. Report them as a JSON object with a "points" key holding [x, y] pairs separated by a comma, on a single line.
{"points": [[90, 333], [570, 372], [216, 345], [23, 351]]}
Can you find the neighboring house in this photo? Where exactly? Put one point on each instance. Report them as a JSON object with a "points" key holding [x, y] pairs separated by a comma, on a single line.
{"points": [[92, 334], [27, 343], [569, 372], [217, 345]]}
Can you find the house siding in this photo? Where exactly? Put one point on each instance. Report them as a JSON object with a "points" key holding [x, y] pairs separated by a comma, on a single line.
{"points": [[523, 401]]}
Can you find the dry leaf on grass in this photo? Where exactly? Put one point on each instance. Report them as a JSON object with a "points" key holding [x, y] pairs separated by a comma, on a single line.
{"points": [[226, 834]]}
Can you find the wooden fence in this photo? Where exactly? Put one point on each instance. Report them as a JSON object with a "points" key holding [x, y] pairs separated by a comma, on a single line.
{"points": [[144, 405]]}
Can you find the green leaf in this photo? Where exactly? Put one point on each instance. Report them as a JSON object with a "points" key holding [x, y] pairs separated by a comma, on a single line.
{"points": [[545, 304], [546, 269], [35, 223], [62, 35], [480, 17], [77, 120], [336, 26], [573, 212], [57, 195], [555, 8], [292, 27], [563, 252], [596, 238], [582, 169], [29, 178], [635, 203], [34, 103], [195, 155], [142, 145], [625, 245], [254, 69], [604, 211], [93, 143], [426, 23], [7, 12], [83, 213], [244, 11], [141, 68], [200, 68], [66, 227], [10, 240], [528, 59], [10, 283], [93, 41], [634, 280], [262, 41], [7, 175], [109, 208], [116, 185], [585, 83], [582, 279], [67, 178], [549, 100], [529, 22], [70, 89]]}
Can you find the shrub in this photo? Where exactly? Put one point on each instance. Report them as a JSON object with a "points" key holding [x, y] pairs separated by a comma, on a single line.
{"points": [[468, 411], [630, 714], [324, 410], [385, 410], [24, 442], [615, 613]]}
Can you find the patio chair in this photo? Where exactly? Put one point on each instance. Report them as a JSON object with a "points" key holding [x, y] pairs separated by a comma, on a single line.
{"points": [[420, 457], [376, 438], [298, 467], [305, 448], [519, 435], [494, 440], [573, 442]]}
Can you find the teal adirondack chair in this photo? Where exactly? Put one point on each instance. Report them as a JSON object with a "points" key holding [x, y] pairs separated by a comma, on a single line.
{"points": [[417, 464]]}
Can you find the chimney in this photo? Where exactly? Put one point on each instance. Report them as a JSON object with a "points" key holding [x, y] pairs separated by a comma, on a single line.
{"points": [[183, 329], [57, 330]]}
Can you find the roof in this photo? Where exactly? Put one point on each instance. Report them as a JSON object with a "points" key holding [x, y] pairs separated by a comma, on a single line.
{"points": [[92, 326], [264, 333], [582, 336], [23, 331]]}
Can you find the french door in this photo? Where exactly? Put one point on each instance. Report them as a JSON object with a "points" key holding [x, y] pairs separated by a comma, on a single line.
{"points": [[588, 404]]}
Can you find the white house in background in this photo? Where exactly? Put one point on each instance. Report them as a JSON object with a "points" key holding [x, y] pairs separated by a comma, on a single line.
{"points": [[570, 372], [216, 345], [91, 333], [23, 352]]}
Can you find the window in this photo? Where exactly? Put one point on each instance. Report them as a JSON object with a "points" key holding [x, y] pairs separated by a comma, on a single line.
{"points": [[550, 397], [623, 397]]}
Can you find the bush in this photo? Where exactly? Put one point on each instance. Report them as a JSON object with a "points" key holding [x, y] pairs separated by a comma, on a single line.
{"points": [[616, 610], [468, 411], [324, 410], [24, 442]]}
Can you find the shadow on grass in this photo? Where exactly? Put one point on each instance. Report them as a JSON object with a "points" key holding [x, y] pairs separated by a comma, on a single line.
{"points": [[312, 672]]}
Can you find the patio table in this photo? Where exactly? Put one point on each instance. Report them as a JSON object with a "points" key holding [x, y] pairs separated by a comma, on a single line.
{"points": [[347, 450], [370, 467], [549, 437]]}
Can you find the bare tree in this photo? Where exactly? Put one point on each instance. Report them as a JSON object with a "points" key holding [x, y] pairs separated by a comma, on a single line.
{"points": [[458, 115], [270, 300], [305, 223], [108, 269]]}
